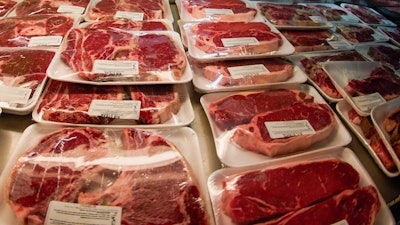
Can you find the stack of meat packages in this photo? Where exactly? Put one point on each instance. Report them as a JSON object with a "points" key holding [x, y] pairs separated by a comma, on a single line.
{"points": [[268, 99], [105, 82]]}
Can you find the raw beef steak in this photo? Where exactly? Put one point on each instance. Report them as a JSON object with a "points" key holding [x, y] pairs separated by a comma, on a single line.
{"points": [[160, 190], [386, 55], [209, 36], [6, 6], [330, 13], [382, 80], [32, 7], [256, 71], [151, 9], [256, 137], [310, 41], [127, 24], [264, 194], [355, 206], [17, 31], [355, 33], [240, 108], [240, 11], [366, 14], [157, 55]]}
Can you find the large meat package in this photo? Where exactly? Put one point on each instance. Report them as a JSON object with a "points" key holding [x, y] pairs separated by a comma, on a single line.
{"points": [[365, 130], [20, 31], [311, 63], [292, 16], [234, 40], [6, 6], [22, 78], [118, 105], [360, 33], [333, 13], [314, 189], [367, 15], [364, 84], [130, 9], [33, 7], [386, 53], [115, 56], [141, 176], [251, 127], [220, 10]]}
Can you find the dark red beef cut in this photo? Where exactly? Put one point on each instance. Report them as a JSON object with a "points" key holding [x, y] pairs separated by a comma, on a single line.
{"points": [[365, 13], [355, 33], [127, 24], [208, 37], [386, 55], [155, 53], [17, 31], [267, 193], [255, 136], [240, 108], [159, 190], [308, 41], [355, 206], [32, 7], [330, 13], [151, 9], [382, 80], [289, 14], [6, 6]]}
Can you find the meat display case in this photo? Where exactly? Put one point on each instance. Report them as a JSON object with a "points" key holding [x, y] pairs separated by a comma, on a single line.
{"points": [[12, 127]]}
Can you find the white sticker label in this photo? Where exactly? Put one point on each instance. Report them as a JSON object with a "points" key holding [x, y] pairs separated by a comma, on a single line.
{"points": [[70, 9], [339, 44], [15, 94], [45, 41], [249, 70], [62, 213], [229, 42], [119, 109], [116, 67], [367, 102], [213, 11], [317, 19], [348, 18], [283, 129], [342, 222], [130, 15]]}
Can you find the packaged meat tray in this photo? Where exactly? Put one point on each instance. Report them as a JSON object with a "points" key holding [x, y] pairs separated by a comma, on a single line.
{"points": [[386, 53], [6, 6], [155, 106], [143, 176], [292, 16], [243, 124], [364, 84], [333, 13], [117, 57], [360, 33], [316, 41], [36, 30], [220, 10], [129, 25], [42, 7], [311, 64], [22, 78], [234, 75], [386, 118], [365, 131], [393, 33], [210, 41], [133, 9], [283, 189], [368, 15]]}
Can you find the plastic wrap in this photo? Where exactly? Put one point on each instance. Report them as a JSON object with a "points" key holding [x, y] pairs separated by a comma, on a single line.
{"points": [[367, 15], [217, 186], [146, 173], [36, 7], [121, 57], [333, 13], [393, 33], [134, 9], [385, 53], [209, 41], [22, 78], [360, 33], [7, 6], [129, 25], [118, 106], [234, 113]]}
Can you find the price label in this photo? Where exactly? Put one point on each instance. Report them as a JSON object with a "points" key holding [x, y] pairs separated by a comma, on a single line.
{"points": [[284, 129], [45, 41], [16, 95], [317, 19], [119, 109], [116, 67], [339, 44], [248, 70], [62, 213], [70, 9], [130, 15], [230, 42], [366, 102], [213, 11]]}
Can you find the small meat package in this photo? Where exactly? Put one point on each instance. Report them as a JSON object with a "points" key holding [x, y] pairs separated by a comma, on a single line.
{"points": [[6, 7], [386, 53], [105, 176], [357, 33], [393, 33], [334, 13], [42, 7], [66, 103], [368, 15], [252, 127], [330, 187], [22, 78]]}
